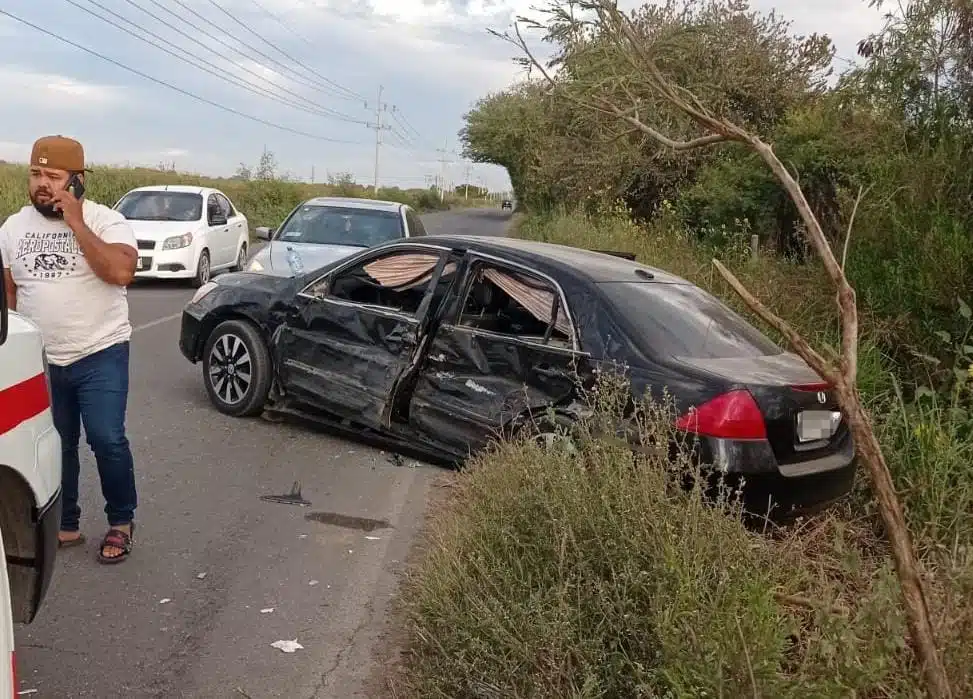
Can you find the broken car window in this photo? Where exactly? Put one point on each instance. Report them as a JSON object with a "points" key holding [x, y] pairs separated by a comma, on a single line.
{"points": [[510, 303], [397, 281]]}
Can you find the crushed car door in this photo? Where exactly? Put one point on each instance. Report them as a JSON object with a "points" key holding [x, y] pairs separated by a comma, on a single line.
{"points": [[508, 349], [351, 335]]}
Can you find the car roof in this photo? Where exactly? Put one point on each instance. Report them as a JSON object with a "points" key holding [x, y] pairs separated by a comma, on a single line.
{"points": [[187, 188], [597, 267], [355, 203]]}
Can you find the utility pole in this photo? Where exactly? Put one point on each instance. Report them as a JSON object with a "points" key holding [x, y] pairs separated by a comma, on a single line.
{"points": [[380, 108], [469, 174], [442, 160], [312, 174]]}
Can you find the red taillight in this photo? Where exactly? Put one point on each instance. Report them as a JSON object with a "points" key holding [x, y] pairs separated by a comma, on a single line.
{"points": [[13, 672], [733, 415]]}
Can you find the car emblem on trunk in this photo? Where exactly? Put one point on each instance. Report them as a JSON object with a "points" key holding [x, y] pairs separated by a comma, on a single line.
{"points": [[822, 397]]}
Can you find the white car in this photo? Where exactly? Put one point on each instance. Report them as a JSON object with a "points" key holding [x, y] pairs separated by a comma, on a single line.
{"points": [[325, 229], [185, 232], [30, 477]]}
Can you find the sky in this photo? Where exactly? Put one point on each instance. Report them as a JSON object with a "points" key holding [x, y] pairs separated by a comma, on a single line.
{"points": [[300, 78]]}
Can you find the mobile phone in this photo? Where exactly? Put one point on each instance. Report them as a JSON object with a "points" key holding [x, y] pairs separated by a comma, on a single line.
{"points": [[75, 186]]}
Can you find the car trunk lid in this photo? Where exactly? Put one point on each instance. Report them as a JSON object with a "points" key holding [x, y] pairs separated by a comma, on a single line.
{"points": [[800, 411]]}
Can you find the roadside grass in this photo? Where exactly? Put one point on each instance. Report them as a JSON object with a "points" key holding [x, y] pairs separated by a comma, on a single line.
{"points": [[264, 202], [578, 574], [557, 574]]}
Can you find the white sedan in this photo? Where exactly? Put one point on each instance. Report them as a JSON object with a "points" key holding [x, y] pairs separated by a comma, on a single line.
{"points": [[185, 232]]}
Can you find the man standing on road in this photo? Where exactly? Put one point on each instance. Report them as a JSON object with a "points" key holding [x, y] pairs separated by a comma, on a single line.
{"points": [[68, 261]]}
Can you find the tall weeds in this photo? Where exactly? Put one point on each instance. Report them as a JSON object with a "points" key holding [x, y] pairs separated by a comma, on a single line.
{"points": [[587, 572]]}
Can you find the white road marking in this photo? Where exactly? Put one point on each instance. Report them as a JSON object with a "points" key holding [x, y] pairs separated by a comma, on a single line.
{"points": [[157, 321]]}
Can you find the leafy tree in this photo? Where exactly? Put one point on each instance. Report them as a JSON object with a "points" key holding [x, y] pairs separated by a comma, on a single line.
{"points": [[746, 64]]}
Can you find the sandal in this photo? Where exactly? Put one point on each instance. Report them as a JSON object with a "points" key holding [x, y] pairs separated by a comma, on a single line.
{"points": [[70, 543], [116, 538]]}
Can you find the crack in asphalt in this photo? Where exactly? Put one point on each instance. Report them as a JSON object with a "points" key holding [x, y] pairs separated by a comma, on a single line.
{"points": [[367, 619]]}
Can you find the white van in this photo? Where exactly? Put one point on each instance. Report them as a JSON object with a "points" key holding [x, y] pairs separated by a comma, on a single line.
{"points": [[30, 476]]}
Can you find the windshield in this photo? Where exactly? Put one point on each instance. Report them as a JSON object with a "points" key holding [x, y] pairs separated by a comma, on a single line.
{"points": [[682, 320], [161, 206], [331, 225]]}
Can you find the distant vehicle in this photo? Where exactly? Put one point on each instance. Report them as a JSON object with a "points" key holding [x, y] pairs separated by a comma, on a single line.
{"points": [[185, 232], [507, 204], [440, 344], [30, 475], [326, 229]]}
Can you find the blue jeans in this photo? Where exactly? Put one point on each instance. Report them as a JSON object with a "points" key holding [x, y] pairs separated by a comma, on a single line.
{"points": [[94, 391]]}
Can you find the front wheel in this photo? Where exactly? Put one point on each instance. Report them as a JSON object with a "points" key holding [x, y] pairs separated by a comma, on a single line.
{"points": [[241, 259], [549, 432], [237, 370], [203, 270]]}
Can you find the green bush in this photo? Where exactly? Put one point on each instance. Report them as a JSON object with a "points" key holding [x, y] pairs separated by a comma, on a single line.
{"points": [[569, 573]]}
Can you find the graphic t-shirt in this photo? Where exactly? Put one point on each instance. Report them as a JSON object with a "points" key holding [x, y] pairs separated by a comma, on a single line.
{"points": [[78, 313]]}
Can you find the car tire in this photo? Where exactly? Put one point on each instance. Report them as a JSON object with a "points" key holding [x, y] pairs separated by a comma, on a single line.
{"points": [[546, 431], [241, 259], [235, 392], [204, 270]]}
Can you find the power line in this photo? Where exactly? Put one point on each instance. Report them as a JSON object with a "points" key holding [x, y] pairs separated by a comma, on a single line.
{"points": [[406, 125], [352, 94], [226, 44], [187, 93], [296, 77], [207, 66]]}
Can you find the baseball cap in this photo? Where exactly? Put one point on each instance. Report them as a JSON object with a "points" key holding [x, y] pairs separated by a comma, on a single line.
{"points": [[58, 152]]}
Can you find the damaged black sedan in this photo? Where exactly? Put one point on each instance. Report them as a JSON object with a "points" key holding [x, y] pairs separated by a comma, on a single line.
{"points": [[438, 345]]}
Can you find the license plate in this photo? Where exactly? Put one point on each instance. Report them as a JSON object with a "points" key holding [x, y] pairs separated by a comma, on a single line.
{"points": [[815, 425], [142, 264]]}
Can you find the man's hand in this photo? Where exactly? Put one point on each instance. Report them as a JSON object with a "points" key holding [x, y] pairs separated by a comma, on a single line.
{"points": [[111, 262], [70, 207]]}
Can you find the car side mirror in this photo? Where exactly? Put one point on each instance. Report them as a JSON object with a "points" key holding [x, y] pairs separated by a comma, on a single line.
{"points": [[217, 218], [263, 232], [3, 303]]}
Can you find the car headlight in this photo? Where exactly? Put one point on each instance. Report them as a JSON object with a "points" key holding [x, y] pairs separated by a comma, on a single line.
{"points": [[255, 266], [178, 241], [202, 291]]}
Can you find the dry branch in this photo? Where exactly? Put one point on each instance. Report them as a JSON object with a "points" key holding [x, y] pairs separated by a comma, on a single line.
{"points": [[621, 30]]}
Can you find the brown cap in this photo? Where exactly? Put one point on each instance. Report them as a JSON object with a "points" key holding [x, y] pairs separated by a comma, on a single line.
{"points": [[59, 153]]}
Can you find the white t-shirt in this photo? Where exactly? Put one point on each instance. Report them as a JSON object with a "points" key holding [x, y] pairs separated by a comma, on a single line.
{"points": [[78, 313]]}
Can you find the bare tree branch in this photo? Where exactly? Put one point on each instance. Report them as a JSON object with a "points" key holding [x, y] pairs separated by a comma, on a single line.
{"points": [[851, 223]]}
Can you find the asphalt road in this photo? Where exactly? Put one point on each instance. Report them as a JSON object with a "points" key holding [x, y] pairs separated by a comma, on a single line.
{"points": [[218, 574]]}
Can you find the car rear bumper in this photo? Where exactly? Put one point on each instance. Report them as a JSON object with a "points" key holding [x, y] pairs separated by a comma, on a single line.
{"points": [[780, 496], [792, 488]]}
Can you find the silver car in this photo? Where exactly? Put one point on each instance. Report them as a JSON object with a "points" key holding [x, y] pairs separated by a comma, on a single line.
{"points": [[326, 229]]}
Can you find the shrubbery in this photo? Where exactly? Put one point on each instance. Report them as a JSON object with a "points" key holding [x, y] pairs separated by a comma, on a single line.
{"points": [[557, 572]]}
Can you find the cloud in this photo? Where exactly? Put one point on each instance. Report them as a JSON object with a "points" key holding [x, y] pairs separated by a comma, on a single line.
{"points": [[433, 57], [48, 90]]}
